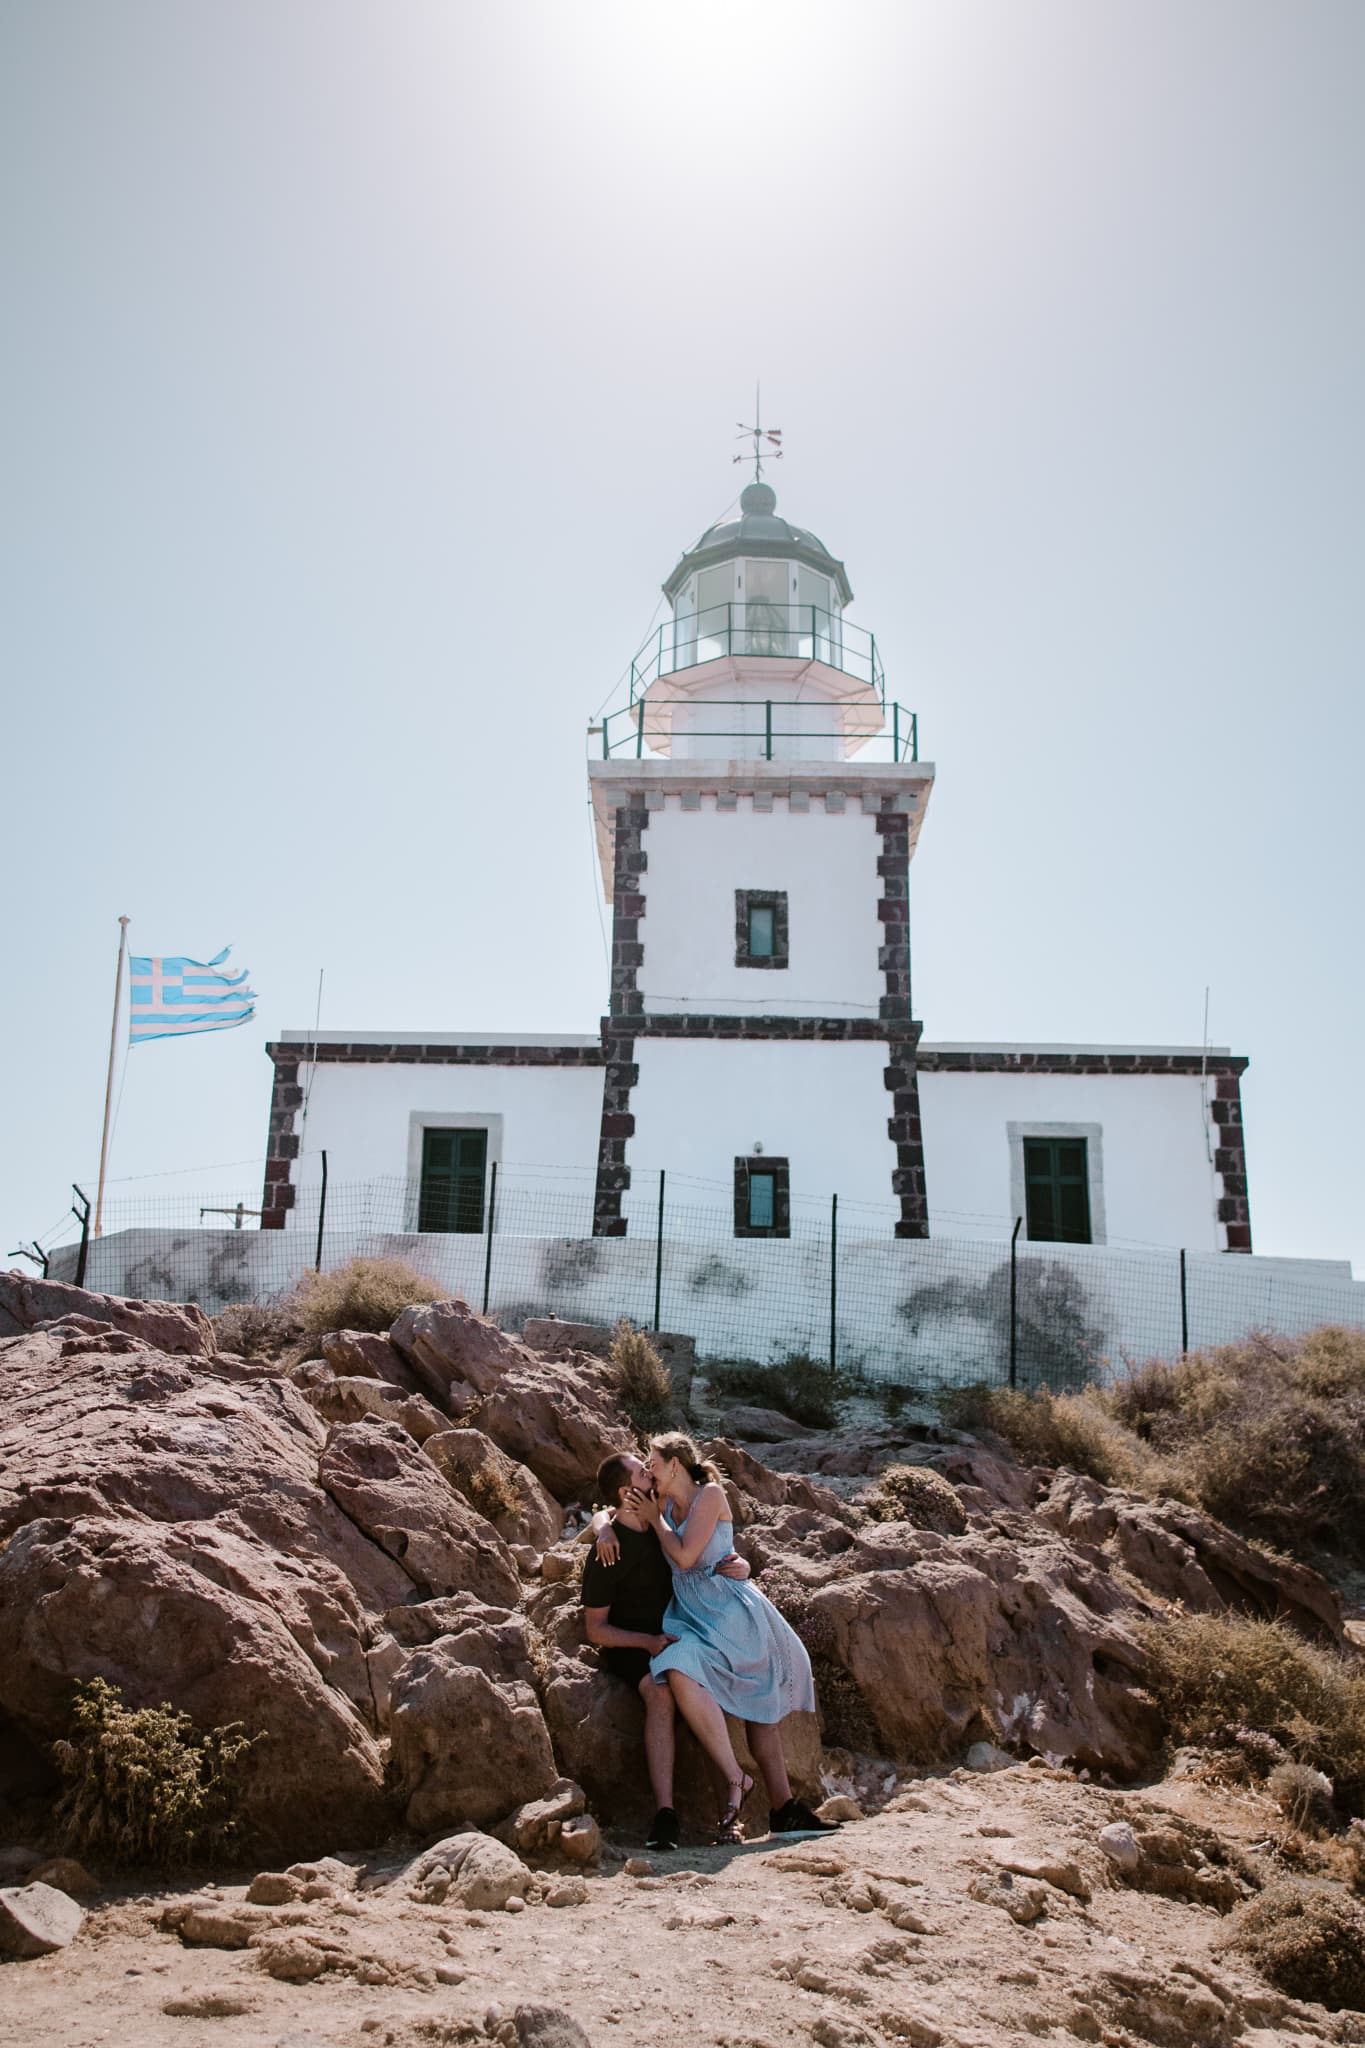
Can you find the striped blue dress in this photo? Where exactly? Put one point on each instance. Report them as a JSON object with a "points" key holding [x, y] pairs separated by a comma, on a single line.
{"points": [[732, 1640]]}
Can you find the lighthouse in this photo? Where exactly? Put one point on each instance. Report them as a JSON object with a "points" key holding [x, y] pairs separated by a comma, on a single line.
{"points": [[757, 803]]}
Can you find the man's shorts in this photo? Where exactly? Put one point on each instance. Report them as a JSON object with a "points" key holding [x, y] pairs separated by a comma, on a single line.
{"points": [[630, 1666]]}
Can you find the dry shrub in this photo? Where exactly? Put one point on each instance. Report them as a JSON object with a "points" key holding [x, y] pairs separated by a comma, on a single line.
{"points": [[1210, 1671], [363, 1294], [254, 1329], [489, 1489], [1076, 1430], [920, 1496], [1268, 1434], [1307, 1940], [1303, 1795], [141, 1787], [800, 1386], [642, 1382]]}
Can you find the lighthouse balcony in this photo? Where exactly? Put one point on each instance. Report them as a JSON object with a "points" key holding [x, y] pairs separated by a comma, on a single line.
{"points": [[762, 630], [793, 726]]}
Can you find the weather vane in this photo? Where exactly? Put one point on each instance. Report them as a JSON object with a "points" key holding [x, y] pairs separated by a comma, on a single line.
{"points": [[767, 440]]}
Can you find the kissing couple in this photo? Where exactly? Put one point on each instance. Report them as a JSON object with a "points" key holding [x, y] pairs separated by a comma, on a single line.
{"points": [[674, 1615]]}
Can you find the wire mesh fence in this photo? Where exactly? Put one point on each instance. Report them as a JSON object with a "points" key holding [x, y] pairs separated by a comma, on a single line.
{"points": [[834, 1285]]}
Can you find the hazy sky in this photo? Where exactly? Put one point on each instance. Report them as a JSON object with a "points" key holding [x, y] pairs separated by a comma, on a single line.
{"points": [[367, 367]]}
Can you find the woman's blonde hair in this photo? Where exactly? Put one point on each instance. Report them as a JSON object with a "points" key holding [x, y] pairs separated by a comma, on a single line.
{"points": [[676, 1445]]}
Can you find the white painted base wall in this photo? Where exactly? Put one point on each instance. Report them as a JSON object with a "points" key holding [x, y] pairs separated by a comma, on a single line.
{"points": [[930, 1313]]}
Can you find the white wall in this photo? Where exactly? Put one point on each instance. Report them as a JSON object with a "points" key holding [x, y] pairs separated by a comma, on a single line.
{"points": [[701, 1104], [827, 863], [916, 1313], [1159, 1185], [362, 1116]]}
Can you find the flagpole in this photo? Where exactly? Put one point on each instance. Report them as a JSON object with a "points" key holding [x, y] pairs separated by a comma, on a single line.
{"points": [[109, 1084]]}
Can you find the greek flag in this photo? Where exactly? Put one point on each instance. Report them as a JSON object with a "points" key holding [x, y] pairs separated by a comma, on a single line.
{"points": [[170, 998]]}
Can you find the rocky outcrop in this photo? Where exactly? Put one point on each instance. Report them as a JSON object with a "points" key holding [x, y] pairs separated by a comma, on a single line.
{"points": [[561, 1423], [508, 1494], [1182, 1554], [361, 1354], [350, 1398], [469, 1740], [176, 1327], [953, 1639], [379, 1478], [191, 1533], [457, 1355]]}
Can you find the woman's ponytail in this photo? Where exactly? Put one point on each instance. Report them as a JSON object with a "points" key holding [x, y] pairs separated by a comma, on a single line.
{"points": [[681, 1448]]}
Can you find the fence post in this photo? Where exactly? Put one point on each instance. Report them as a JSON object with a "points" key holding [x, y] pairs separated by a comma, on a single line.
{"points": [[83, 1218], [322, 1214], [1184, 1307], [833, 1283], [488, 1235], [659, 1254], [1014, 1300]]}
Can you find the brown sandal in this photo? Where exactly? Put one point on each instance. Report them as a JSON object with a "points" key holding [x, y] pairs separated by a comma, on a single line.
{"points": [[728, 1829]]}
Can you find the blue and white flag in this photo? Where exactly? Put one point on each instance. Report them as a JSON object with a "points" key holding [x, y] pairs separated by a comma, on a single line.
{"points": [[170, 998]]}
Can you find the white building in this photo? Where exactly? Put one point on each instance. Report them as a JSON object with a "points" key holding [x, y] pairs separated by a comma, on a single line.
{"points": [[757, 807]]}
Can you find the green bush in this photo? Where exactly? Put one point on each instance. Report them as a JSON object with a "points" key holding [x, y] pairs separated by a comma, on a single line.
{"points": [[800, 1386], [1210, 1672], [1307, 1940], [643, 1386], [140, 1786], [363, 1294]]}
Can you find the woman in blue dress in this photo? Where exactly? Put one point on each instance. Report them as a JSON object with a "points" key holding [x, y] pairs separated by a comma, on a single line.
{"points": [[734, 1654]]}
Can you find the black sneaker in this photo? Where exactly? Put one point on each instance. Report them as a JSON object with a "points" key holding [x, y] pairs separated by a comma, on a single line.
{"points": [[663, 1833], [796, 1818]]}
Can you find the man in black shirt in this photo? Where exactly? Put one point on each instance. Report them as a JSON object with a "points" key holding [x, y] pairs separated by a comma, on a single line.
{"points": [[623, 1612]]}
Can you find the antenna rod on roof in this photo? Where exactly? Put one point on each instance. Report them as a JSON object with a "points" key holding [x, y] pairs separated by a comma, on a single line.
{"points": [[759, 434]]}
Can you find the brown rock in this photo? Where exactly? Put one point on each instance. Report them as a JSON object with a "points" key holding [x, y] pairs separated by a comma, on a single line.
{"points": [[36, 1919], [175, 1327], [474, 1871], [547, 2026], [211, 1924], [472, 1463], [457, 1355], [273, 1888], [162, 1525], [580, 1839], [361, 1354], [771, 1489], [353, 1399], [1185, 1555], [535, 1828], [763, 1426], [469, 1740], [951, 1639], [562, 1420], [1062, 1872], [291, 1957], [65, 1874], [379, 1477]]}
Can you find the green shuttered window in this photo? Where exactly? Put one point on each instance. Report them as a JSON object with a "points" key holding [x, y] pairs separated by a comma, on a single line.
{"points": [[453, 1166], [1057, 1190]]}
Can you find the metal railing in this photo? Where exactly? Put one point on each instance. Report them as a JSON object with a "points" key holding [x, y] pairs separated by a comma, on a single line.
{"points": [[785, 632], [768, 720]]}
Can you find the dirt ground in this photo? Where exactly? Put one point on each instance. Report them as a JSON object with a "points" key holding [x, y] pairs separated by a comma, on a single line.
{"points": [[869, 1937]]}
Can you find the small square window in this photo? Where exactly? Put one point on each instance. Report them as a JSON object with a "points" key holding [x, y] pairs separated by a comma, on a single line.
{"points": [[761, 928], [762, 1197]]}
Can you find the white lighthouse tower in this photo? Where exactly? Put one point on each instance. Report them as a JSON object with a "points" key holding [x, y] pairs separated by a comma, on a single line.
{"points": [[757, 803]]}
